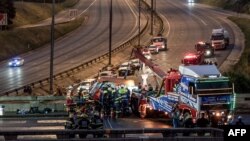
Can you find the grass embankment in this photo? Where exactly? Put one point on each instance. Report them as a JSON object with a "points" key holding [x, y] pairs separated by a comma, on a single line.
{"points": [[33, 12], [21, 40], [242, 6], [240, 73], [17, 41]]}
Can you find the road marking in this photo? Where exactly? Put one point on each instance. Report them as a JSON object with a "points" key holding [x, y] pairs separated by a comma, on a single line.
{"points": [[109, 124], [167, 23], [87, 8], [134, 15]]}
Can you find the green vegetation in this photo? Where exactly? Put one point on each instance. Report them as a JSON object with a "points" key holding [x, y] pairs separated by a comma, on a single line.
{"points": [[242, 6], [33, 12], [240, 73], [21, 40]]}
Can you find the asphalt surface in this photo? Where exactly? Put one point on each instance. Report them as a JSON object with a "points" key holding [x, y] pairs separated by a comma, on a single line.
{"points": [[184, 26], [87, 42], [187, 24]]}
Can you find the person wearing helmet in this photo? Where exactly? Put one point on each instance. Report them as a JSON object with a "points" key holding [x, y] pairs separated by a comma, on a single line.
{"points": [[239, 122]]}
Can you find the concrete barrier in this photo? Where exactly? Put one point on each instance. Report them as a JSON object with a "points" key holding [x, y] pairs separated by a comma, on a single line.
{"points": [[12, 103], [173, 133]]}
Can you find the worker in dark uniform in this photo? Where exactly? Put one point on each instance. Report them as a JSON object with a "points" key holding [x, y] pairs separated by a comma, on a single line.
{"points": [[187, 122], [202, 122], [239, 122]]}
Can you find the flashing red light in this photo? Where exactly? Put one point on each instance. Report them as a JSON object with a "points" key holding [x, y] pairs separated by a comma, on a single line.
{"points": [[190, 56]]}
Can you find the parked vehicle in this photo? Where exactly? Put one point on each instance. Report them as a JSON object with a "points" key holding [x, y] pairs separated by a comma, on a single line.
{"points": [[160, 42]]}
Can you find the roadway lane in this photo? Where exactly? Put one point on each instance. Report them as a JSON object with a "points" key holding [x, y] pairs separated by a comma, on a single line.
{"points": [[83, 44], [187, 24]]}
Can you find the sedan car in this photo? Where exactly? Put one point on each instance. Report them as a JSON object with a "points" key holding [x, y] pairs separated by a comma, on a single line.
{"points": [[85, 85], [153, 49], [16, 62]]}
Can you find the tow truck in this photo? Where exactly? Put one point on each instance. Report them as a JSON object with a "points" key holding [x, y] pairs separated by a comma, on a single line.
{"points": [[194, 88], [160, 42]]}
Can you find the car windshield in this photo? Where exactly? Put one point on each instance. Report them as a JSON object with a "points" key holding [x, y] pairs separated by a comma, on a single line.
{"points": [[16, 59], [151, 47], [135, 61], [158, 40], [104, 74], [85, 83], [124, 66]]}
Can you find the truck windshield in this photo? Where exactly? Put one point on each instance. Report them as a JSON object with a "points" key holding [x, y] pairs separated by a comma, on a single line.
{"points": [[213, 87], [217, 37]]}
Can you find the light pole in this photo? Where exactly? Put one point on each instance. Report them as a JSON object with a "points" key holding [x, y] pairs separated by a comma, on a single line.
{"points": [[110, 31], [154, 8], [139, 35], [52, 47], [152, 17]]}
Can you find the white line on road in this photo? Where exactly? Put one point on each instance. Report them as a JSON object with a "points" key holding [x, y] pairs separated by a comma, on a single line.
{"points": [[87, 8], [109, 124]]}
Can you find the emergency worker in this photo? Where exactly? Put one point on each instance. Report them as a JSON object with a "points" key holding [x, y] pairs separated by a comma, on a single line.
{"points": [[125, 94], [69, 102], [202, 122], [239, 122], [187, 122], [176, 117], [104, 100]]}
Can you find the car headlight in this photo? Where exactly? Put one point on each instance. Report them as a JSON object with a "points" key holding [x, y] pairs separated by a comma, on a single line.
{"points": [[208, 52], [18, 63], [218, 114], [10, 63]]}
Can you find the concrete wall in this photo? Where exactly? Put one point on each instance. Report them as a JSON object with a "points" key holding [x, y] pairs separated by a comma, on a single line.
{"points": [[11, 104]]}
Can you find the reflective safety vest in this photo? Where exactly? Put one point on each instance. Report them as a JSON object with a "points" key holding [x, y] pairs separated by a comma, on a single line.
{"points": [[122, 91]]}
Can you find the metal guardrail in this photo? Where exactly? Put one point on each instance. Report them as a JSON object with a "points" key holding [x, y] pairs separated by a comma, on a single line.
{"points": [[82, 66], [121, 134]]}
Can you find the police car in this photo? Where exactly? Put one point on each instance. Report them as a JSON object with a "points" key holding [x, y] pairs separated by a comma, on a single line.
{"points": [[16, 62]]}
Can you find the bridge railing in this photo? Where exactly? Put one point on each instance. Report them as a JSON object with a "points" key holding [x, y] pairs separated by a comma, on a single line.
{"points": [[122, 134]]}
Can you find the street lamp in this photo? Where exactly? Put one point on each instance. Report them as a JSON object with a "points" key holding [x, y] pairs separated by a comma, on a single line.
{"points": [[139, 36], [152, 17], [110, 31], [52, 47]]}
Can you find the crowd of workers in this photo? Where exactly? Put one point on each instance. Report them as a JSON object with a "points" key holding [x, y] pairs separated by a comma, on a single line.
{"points": [[110, 100], [185, 120]]}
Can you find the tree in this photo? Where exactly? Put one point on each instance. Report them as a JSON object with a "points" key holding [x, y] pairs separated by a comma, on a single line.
{"points": [[7, 6]]}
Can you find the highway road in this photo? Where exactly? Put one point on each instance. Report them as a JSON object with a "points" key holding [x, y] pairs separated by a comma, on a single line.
{"points": [[87, 42], [187, 24]]}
